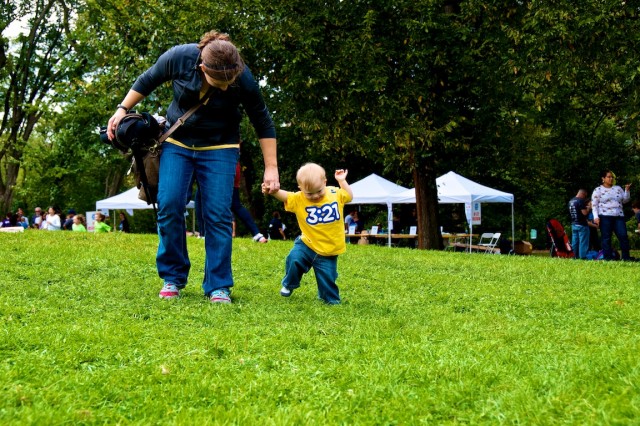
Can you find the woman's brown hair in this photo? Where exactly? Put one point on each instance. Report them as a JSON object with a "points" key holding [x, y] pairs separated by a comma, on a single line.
{"points": [[220, 57]]}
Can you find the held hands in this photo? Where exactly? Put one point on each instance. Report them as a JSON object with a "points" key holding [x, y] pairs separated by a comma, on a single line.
{"points": [[271, 181], [341, 175]]}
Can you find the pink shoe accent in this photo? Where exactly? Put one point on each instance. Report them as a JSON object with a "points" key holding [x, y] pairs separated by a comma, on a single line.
{"points": [[169, 291]]}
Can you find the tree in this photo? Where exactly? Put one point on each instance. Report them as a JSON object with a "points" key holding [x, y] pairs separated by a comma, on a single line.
{"points": [[409, 85], [35, 63]]}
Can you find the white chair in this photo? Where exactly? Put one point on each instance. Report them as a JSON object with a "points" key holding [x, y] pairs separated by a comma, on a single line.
{"points": [[488, 242]]}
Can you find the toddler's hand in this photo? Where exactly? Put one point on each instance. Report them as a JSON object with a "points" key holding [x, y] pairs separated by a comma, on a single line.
{"points": [[341, 174], [265, 188]]}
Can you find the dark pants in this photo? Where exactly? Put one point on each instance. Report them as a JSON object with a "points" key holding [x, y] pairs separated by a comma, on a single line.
{"points": [[610, 225]]}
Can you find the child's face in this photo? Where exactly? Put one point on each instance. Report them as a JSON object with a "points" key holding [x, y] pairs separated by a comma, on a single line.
{"points": [[76, 220], [314, 192]]}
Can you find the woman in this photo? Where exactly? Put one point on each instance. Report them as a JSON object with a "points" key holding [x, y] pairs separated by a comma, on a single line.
{"points": [[607, 200], [205, 147], [54, 219], [123, 226]]}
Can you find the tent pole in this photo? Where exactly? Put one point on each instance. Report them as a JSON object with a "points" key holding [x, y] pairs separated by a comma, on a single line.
{"points": [[513, 232], [389, 221]]}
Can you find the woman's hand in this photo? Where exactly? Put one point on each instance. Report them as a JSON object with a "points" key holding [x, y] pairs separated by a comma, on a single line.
{"points": [[271, 181], [113, 122]]}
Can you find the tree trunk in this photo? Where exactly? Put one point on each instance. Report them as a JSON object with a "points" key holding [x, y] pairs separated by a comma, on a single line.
{"points": [[12, 171], [424, 178], [113, 182]]}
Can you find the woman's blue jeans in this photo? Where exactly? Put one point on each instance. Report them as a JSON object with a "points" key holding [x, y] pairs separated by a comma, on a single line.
{"points": [[614, 225], [236, 208], [300, 260], [214, 171]]}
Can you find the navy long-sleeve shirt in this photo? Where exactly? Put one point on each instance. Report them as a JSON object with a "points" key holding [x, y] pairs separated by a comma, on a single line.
{"points": [[218, 121]]}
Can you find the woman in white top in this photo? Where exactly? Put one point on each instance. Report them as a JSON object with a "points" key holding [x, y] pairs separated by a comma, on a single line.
{"points": [[54, 223], [607, 201]]}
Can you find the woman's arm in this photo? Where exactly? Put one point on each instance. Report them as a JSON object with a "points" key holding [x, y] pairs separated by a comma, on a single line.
{"points": [[269, 154]]}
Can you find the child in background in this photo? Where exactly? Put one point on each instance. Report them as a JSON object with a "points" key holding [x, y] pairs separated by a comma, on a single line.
{"points": [[99, 225], [79, 223], [318, 209]]}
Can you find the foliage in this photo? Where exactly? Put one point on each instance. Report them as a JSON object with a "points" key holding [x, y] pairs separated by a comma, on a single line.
{"points": [[422, 337], [531, 98]]}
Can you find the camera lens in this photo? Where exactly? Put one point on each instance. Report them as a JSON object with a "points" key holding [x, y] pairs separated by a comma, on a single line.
{"points": [[103, 135]]}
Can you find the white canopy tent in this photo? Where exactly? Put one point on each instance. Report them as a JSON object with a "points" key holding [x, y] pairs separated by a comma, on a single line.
{"points": [[129, 201], [453, 188], [376, 190]]}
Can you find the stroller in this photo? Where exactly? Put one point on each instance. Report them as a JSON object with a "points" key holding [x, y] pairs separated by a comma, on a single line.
{"points": [[560, 245]]}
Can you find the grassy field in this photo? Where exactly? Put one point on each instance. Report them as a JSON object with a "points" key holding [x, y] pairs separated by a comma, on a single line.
{"points": [[421, 338]]}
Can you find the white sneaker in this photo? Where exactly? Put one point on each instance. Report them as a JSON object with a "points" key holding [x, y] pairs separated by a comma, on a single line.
{"points": [[285, 292], [259, 238]]}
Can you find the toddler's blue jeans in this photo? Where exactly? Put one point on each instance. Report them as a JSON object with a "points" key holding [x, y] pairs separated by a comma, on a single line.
{"points": [[300, 260]]}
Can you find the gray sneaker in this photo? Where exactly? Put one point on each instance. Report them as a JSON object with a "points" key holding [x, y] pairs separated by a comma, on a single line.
{"points": [[220, 296]]}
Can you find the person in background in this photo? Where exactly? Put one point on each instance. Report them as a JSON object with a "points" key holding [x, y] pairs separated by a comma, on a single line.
{"points": [[276, 228], [6, 222], [348, 220], [318, 209], [594, 238], [99, 225], [207, 147], [241, 211], [79, 223], [42, 223], [357, 219], [68, 222], [123, 226], [607, 200], [54, 219], [35, 219], [22, 220], [635, 206], [579, 226]]}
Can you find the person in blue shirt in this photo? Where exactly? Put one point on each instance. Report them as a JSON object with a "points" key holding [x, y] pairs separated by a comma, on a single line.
{"points": [[206, 147], [579, 226]]}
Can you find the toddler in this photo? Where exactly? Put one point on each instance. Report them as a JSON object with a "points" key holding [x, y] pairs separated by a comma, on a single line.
{"points": [[318, 209]]}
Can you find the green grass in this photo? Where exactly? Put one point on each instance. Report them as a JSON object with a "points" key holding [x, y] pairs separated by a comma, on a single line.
{"points": [[421, 338]]}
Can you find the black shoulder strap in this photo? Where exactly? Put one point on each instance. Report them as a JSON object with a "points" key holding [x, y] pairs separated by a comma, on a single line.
{"points": [[185, 116]]}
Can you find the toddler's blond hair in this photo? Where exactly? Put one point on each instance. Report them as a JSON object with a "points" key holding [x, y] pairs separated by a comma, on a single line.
{"points": [[311, 175]]}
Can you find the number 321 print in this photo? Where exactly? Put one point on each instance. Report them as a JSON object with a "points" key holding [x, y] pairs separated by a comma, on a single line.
{"points": [[324, 214]]}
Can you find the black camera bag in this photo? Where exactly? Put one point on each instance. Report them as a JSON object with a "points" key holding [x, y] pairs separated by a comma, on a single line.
{"points": [[147, 151]]}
